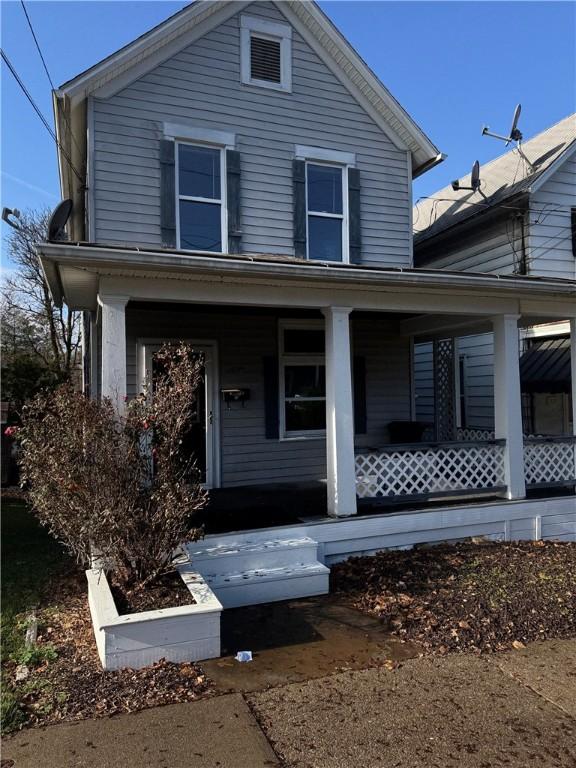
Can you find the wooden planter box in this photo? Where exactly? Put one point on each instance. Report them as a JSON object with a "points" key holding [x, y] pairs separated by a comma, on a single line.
{"points": [[184, 633]]}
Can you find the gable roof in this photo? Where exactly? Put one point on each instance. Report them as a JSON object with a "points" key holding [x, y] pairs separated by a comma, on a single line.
{"points": [[150, 49], [503, 178]]}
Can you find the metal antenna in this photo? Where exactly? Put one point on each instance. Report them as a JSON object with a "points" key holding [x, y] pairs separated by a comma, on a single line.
{"points": [[514, 135]]}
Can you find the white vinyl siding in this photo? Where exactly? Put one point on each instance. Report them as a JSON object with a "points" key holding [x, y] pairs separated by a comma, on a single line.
{"points": [[492, 247], [551, 253], [201, 87], [478, 352]]}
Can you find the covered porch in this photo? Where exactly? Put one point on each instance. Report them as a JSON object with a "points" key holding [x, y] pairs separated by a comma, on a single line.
{"points": [[280, 410]]}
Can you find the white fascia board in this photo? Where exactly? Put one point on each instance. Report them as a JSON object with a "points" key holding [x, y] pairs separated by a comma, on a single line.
{"points": [[327, 155], [551, 170], [198, 133], [195, 264], [139, 57], [352, 71]]}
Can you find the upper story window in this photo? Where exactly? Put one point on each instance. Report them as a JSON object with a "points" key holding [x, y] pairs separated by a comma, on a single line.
{"points": [[322, 202], [200, 212], [325, 196], [266, 56]]}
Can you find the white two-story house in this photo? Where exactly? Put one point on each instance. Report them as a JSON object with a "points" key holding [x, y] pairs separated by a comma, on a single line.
{"points": [[522, 220], [246, 184]]}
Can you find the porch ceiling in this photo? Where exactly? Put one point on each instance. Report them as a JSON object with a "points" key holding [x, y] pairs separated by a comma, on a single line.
{"points": [[77, 273]]}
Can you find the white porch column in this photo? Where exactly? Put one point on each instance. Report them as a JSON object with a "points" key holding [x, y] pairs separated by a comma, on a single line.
{"points": [[508, 402], [339, 414], [114, 349]]}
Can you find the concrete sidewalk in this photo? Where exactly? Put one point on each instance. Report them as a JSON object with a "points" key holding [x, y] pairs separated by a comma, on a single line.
{"points": [[514, 710], [218, 732]]}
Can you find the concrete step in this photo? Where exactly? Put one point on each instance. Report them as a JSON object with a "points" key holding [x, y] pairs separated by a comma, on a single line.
{"points": [[209, 559], [266, 585]]}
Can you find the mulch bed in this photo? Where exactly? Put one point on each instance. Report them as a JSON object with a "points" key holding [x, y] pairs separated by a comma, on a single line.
{"points": [[74, 686], [467, 597], [168, 591]]}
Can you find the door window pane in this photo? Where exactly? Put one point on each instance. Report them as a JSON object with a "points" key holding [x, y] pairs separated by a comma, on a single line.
{"points": [[324, 188], [200, 226], [199, 171], [324, 238], [304, 415], [305, 381], [303, 340]]}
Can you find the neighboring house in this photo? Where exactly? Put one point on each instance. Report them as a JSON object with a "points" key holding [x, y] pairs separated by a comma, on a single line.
{"points": [[522, 221], [248, 187]]}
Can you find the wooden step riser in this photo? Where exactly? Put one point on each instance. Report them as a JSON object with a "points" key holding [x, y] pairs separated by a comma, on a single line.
{"points": [[253, 593]]}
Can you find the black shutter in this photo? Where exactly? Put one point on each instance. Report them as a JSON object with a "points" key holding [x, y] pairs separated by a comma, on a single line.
{"points": [[299, 183], [167, 193], [354, 228], [271, 395], [359, 376], [233, 200]]}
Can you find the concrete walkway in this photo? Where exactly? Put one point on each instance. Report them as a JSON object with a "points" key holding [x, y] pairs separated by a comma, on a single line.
{"points": [[512, 710], [218, 732]]}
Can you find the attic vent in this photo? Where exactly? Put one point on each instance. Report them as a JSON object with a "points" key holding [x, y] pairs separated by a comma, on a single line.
{"points": [[265, 59], [265, 53]]}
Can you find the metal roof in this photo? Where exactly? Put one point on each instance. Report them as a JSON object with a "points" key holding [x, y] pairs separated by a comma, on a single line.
{"points": [[545, 366], [501, 180]]}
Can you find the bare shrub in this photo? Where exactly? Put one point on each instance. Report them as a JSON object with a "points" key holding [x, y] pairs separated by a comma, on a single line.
{"points": [[118, 486]]}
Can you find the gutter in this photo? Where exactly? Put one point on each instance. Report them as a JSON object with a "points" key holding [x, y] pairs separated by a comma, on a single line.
{"points": [[93, 258]]}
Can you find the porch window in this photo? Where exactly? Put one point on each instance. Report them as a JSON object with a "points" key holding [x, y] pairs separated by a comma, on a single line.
{"points": [[326, 212], [302, 381], [201, 213]]}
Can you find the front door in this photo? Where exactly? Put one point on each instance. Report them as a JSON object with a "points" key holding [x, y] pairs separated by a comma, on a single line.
{"points": [[200, 441]]}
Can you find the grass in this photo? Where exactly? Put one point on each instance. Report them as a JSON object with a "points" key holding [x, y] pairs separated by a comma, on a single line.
{"points": [[30, 557]]}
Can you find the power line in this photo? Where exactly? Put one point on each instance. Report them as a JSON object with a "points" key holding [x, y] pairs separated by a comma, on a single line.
{"points": [[40, 115], [58, 107], [37, 45]]}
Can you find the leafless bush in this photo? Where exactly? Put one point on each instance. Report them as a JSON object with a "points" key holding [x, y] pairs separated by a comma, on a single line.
{"points": [[117, 486]]}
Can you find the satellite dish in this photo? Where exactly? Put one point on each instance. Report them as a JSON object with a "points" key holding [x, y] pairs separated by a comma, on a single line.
{"points": [[58, 220], [514, 135], [474, 180], [475, 176]]}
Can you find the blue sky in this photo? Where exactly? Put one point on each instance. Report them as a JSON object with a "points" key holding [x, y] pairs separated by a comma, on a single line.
{"points": [[454, 66]]}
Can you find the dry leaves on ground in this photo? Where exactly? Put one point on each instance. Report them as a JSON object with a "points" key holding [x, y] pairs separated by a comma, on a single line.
{"points": [[468, 597], [74, 686]]}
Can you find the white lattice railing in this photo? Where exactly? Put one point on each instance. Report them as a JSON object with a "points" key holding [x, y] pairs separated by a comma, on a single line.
{"points": [[415, 470], [549, 460], [469, 433]]}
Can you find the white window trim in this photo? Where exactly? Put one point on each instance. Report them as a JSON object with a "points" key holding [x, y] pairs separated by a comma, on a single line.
{"points": [[221, 202], [295, 358], [344, 217], [270, 30], [311, 154], [199, 134]]}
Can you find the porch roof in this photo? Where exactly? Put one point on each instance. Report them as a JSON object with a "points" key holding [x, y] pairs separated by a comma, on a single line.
{"points": [[76, 272], [545, 367]]}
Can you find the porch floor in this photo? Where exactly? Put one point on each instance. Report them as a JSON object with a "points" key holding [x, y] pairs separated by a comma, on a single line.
{"points": [[247, 508]]}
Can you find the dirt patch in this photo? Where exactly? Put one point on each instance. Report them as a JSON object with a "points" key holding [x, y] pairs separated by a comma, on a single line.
{"points": [[67, 681], [169, 591], [468, 597]]}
